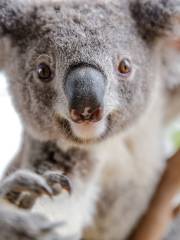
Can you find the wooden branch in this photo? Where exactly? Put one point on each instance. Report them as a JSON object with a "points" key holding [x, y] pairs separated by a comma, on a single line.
{"points": [[155, 222]]}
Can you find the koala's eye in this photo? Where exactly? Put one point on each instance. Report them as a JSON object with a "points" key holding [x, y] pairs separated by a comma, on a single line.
{"points": [[125, 67], [44, 72]]}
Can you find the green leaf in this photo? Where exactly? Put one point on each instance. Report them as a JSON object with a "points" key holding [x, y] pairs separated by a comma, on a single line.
{"points": [[176, 139]]}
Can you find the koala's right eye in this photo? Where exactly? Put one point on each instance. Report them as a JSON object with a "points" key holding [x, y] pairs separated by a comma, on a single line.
{"points": [[44, 72]]}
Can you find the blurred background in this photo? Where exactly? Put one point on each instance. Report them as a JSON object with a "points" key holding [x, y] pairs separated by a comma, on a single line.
{"points": [[10, 129]]}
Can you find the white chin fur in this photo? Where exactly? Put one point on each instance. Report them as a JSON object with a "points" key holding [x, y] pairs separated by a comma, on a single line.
{"points": [[88, 131]]}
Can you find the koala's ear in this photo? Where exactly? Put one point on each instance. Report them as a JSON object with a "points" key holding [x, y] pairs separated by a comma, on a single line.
{"points": [[156, 18], [13, 16]]}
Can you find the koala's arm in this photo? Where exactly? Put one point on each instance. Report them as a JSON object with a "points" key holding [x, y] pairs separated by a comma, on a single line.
{"points": [[34, 171], [15, 223], [20, 188], [39, 172]]}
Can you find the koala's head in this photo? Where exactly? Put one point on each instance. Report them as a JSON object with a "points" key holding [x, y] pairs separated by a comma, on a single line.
{"points": [[82, 70]]}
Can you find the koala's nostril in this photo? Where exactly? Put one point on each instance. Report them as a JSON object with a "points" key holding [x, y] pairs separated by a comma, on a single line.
{"points": [[87, 115], [97, 115], [76, 116]]}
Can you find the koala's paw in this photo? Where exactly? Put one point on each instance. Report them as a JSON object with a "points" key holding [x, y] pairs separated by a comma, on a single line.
{"points": [[20, 225], [57, 181], [23, 187], [22, 181]]}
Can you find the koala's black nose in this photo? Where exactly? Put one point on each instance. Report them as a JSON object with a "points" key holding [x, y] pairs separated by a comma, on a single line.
{"points": [[85, 90]]}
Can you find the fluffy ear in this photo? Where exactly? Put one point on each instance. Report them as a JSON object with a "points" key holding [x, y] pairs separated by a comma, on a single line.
{"points": [[156, 18], [14, 17]]}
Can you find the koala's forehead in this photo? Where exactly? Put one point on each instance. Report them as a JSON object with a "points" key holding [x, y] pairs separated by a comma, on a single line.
{"points": [[96, 23]]}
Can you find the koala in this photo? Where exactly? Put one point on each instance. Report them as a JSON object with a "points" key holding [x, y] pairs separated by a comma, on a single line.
{"points": [[90, 82]]}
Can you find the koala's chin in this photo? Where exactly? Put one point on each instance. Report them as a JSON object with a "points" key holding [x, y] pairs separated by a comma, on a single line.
{"points": [[89, 131]]}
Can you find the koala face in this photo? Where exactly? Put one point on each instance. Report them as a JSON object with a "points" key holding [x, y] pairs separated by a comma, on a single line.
{"points": [[80, 71]]}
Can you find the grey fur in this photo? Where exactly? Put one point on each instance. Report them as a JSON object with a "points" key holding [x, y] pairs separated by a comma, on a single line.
{"points": [[17, 225], [64, 33], [153, 20]]}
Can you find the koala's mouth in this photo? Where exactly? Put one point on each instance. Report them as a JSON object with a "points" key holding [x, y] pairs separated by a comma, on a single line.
{"points": [[88, 131], [85, 133]]}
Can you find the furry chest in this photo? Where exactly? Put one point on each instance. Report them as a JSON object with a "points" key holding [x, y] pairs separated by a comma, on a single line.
{"points": [[74, 211]]}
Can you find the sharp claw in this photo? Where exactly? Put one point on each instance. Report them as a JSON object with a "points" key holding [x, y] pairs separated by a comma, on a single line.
{"points": [[47, 191], [58, 181], [24, 181], [66, 184]]}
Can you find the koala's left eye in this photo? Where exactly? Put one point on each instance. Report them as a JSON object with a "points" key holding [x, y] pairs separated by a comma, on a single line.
{"points": [[44, 72], [125, 67]]}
